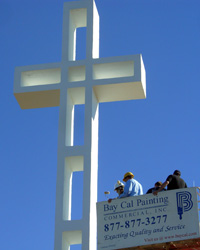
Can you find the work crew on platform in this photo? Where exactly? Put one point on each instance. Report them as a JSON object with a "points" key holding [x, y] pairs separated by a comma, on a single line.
{"points": [[133, 188]]}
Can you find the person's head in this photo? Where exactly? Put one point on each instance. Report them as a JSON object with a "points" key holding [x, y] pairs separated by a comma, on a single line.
{"points": [[128, 176], [177, 172], [158, 184], [119, 187]]}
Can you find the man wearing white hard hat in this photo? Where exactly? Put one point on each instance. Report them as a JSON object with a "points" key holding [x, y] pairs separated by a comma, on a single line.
{"points": [[132, 187], [119, 188]]}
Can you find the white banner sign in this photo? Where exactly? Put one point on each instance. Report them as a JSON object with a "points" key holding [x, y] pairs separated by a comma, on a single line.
{"points": [[148, 219]]}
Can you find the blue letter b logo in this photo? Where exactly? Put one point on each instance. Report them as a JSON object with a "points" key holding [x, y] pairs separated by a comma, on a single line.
{"points": [[184, 202]]}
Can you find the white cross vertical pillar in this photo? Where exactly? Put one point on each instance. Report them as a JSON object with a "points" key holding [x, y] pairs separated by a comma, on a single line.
{"points": [[73, 82], [77, 158]]}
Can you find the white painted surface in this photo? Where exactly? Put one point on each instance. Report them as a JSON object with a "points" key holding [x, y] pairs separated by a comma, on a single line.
{"points": [[148, 219], [66, 84]]}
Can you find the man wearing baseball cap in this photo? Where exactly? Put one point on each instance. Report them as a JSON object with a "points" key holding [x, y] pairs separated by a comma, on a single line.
{"points": [[172, 182], [132, 187]]}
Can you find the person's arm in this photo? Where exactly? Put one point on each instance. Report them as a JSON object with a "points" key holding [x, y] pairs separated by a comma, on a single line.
{"points": [[161, 187], [127, 189]]}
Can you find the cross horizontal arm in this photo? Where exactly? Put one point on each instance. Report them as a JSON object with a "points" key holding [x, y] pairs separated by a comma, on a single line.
{"points": [[112, 78], [38, 86], [119, 78]]}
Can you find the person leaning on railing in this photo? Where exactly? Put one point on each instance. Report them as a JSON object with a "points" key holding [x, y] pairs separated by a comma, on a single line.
{"points": [[157, 185], [172, 182]]}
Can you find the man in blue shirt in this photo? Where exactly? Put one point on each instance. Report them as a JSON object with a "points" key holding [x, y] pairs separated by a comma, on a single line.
{"points": [[132, 187]]}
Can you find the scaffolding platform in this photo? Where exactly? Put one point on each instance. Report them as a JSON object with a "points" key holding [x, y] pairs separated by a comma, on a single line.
{"points": [[168, 221]]}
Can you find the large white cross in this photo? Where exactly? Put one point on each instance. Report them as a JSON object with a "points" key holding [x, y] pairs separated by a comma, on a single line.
{"points": [[68, 83]]}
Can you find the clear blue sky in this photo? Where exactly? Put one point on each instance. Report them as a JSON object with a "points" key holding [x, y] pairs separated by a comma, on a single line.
{"points": [[150, 138]]}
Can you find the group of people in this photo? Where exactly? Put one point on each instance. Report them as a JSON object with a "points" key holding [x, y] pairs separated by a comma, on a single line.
{"points": [[132, 187]]}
